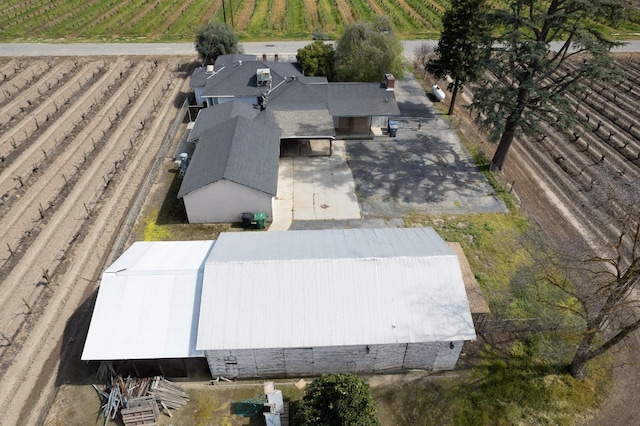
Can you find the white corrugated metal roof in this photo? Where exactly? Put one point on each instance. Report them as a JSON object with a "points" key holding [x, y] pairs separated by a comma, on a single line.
{"points": [[148, 303], [332, 287]]}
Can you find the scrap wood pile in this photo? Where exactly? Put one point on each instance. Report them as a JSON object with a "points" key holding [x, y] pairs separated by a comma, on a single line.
{"points": [[138, 401]]}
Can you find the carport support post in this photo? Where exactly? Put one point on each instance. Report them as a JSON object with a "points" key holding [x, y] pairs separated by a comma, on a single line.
{"points": [[160, 368], [133, 364]]}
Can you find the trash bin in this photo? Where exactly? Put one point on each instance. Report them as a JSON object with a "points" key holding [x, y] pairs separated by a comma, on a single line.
{"points": [[260, 218], [392, 128], [246, 219]]}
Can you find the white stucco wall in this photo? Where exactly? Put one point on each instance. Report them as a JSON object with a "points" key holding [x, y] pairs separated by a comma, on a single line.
{"points": [[380, 120], [225, 201]]}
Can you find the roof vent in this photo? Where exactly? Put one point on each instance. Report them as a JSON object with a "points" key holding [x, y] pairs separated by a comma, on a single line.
{"points": [[209, 69]]}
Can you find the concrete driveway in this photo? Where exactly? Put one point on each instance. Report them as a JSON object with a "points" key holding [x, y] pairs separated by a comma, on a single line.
{"points": [[315, 189]]}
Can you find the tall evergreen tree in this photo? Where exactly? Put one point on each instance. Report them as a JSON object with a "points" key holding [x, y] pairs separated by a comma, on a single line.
{"points": [[528, 82], [461, 47]]}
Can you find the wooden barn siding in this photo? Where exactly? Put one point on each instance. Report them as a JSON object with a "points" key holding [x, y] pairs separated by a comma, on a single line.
{"points": [[295, 362]]}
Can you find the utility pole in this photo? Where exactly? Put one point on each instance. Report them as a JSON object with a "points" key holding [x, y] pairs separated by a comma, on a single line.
{"points": [[224, 13], [231, 13]]}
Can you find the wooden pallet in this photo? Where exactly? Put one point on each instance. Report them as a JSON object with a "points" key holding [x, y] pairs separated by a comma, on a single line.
{"points": [[141, 411]]}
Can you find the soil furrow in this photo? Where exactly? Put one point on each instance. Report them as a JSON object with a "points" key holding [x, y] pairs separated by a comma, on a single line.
{"points": [[54, 238], [44, 339], [59, 172]]}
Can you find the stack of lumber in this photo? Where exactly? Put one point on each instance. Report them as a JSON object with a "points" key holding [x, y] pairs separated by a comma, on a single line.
{"points": [[167, 394], [141, 411], [140, 399]]}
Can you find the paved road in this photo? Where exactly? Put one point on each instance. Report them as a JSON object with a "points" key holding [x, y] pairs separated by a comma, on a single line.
{"points": [[269, 48]]}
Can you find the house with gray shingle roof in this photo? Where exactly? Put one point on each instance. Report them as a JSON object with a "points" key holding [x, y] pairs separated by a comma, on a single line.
{"points": [[256, 112], [234, 169]]}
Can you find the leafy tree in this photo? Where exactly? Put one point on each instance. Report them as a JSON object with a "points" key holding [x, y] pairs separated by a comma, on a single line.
{"points": [[337, 400], [528, 83], [317, 59], [369, 50], [423, 55], [608, 279], [215, 39], [461, 46]]}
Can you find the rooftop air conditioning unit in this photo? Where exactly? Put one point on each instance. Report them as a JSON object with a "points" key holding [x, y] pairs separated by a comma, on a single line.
{"points": [[209, 69], [263, 76]]}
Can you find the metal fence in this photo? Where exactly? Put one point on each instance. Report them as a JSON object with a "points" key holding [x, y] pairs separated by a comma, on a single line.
{"points": [[493, 325], [422, 123]]}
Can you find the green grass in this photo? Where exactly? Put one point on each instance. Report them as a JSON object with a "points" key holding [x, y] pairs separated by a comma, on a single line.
{"points": [[517, 388]]}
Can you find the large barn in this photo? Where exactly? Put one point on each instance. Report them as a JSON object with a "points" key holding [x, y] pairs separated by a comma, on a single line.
{"points": [[300, 303]]}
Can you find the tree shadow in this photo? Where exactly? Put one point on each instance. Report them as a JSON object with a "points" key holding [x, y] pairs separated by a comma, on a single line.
{"points": [[72, 370], [172, 210]]}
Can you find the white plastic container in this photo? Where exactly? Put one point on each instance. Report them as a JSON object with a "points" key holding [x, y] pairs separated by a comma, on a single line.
{"points": [[437, 92]]}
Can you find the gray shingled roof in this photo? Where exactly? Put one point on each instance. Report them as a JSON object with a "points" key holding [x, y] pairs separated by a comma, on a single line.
{"points": [[240, 80], [234, 58], [199, 75], [307, 124], [240, 150], [360, 99], [294, 95], [216, 114]]}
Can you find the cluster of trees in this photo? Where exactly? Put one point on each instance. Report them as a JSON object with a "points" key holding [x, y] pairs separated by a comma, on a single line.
{"points": [[365, 52], [522, 80]]}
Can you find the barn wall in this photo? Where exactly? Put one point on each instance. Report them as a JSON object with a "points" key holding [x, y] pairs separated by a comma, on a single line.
{"points": [[447, 357], [432, 356], [367, 359], [224, 201]]}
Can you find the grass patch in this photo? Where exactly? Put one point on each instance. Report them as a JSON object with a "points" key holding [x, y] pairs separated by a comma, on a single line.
{"points": [[164, 217], [493, 245]]}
